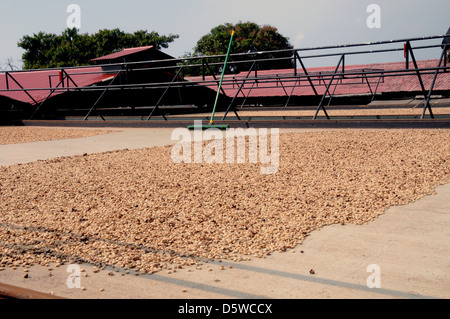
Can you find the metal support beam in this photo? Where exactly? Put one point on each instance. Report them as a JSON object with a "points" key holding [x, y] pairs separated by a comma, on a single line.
{"points": [[428, 99], [410, 50], [278, 80], [213, 75], [239, 90], [248, 94], [368, 83], [68, 77], [24, 90], [6, 80], [332, 95], [100, 97], [64, 76], [306, 73], [45, 100], [164, 95], [292, 92], [376, 89], [203, 69], [328, 90], [406, 53]]}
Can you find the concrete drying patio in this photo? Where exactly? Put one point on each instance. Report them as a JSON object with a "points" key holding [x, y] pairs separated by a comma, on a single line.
{"points": [[410, 244]]}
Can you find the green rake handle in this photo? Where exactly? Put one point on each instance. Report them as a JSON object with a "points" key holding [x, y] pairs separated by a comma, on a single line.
{"points": [[223, 74]]}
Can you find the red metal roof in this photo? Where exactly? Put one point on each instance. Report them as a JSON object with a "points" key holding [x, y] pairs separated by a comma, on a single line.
{"points": [[123, 53], [407, 83], [39, 81]]}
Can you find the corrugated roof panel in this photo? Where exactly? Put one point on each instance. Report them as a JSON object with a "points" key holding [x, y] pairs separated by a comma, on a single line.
{"points": [[40, 80], [123, 53], [408, 83]]}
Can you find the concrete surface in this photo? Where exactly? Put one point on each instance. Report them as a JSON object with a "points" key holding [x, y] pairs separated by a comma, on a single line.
{"points": [[406, 251], [123, 139]]}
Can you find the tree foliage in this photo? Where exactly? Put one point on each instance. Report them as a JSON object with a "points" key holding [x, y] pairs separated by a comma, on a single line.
{"points": [[46, 50], [250, 38]]}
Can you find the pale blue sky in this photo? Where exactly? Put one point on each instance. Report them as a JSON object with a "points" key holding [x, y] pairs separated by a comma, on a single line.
{"points": [[306, 23]]}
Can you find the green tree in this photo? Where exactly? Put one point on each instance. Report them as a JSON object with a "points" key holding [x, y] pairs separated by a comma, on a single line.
{"points": [[250, 38], [71, 48]]}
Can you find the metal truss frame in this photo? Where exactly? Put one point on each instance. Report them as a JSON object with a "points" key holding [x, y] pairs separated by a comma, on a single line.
{"points": [[301, 76]]}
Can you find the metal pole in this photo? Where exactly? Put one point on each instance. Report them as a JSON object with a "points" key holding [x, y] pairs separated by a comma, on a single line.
{"points": [[69, 78], [163, 95], [295, 63], [98, 100], [21, 87], [427, 102], [239, 91], [214, 77], [307, 75], [343, 65], [327, 91], [406, 51], [48, 96], [223, 75], [248, 94], [203, 69], [376, 89], [292, 92], [417, 67]]}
